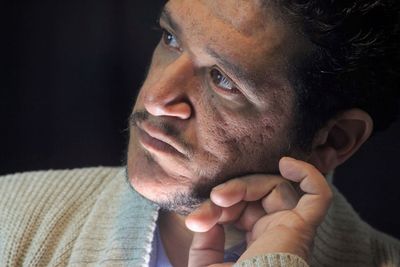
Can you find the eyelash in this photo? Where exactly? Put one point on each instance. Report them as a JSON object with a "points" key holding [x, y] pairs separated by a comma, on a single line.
{"points": [[226, 84], [218, 78], [166, 35]]}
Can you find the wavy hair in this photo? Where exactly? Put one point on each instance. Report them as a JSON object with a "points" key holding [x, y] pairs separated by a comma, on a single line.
{"points": [[354, 61]]}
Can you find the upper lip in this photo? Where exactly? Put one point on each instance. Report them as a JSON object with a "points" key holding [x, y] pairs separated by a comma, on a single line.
{"points": [[160, 135]]}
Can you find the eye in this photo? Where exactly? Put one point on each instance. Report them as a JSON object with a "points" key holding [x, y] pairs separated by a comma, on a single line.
{"points": [[223, 82], [170, 40]]}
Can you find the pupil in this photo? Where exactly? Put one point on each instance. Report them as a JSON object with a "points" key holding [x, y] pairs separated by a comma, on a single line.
{"points": [[217, 77], [168, 38]]}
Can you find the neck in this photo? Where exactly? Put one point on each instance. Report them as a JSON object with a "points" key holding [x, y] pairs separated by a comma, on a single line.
{"points": [[177, 239]]}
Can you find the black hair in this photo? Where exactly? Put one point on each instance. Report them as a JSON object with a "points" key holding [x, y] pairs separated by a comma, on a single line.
{"points": [[354, 61]]}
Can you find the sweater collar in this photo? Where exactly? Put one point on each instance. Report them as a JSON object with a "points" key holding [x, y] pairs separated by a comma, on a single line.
{"points": [[342, 239], [119, 228], [121, 225]]}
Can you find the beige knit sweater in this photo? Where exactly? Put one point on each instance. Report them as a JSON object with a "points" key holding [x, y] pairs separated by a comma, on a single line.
{"points": [[92, 217]]}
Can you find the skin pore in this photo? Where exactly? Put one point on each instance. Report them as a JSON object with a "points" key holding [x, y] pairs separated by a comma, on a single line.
{"points": [[216, 104]]}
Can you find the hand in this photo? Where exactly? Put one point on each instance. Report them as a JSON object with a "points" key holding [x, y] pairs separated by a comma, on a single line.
{"points": [[275, 217]]}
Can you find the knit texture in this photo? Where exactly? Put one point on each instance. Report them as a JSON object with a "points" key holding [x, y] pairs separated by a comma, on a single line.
{"points": [[273, 260], [93, 217]]}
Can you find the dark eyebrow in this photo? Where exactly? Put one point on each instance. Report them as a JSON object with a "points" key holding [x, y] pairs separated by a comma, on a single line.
{"points": [[232, 68], [167, 17]]}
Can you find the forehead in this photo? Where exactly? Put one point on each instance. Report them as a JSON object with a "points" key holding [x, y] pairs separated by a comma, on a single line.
{"points": [[246, 17], [251, 18], [249, 32]]}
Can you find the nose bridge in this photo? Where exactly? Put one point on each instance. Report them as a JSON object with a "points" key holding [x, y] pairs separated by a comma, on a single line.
{"points": [[168, 94], [171, 85]]}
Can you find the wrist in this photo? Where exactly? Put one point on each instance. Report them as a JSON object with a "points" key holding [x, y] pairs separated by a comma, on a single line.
{"points": [[282, 240], [273, 260]]}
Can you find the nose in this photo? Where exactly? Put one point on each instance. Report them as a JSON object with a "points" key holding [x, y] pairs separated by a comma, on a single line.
{"points": [[167, 96]]}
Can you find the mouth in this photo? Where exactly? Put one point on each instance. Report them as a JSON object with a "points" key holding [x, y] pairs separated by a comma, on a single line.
{"points": [[156, 141]]}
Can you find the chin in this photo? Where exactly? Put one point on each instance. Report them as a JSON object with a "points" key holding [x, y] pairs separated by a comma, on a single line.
{"points": [[168, 197], [167, 192], [147, 185], [177, 193]]}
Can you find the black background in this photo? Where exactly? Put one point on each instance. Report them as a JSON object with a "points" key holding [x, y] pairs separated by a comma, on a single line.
{"points": [[70, 71]]}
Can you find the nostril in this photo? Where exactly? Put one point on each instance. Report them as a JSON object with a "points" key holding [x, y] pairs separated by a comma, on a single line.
{"points": [[154, 110], [181, 110], [153, 105]]}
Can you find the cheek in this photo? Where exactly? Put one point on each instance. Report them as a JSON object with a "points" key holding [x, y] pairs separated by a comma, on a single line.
{"points": [[232, 134], [244, 138]]}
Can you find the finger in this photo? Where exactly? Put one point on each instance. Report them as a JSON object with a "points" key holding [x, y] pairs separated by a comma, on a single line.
{"points": [[204, 217], [232, 214], [253, 212], [282, 197], [207, 248], [207, 215], [248, 188], [314, 204]]}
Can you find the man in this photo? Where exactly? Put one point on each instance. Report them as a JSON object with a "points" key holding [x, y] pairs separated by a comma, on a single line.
{"points": [[236, 90]]}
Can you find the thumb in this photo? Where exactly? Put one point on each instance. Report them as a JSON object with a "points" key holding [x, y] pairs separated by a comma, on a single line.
{"points": [[207, 248]]}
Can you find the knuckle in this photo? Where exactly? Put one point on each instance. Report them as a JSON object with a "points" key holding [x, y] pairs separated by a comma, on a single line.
{"points": [[237, 183], [312, 170]]}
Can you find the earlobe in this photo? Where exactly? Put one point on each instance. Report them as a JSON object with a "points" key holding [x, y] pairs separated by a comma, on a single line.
{"points": [[340, 139]]}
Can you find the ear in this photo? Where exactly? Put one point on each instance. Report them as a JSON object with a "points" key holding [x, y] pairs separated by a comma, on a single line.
{"points": [[340, 139]]}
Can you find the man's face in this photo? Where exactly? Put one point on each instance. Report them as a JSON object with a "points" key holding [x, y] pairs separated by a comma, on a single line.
{"points": [[217, 102]]}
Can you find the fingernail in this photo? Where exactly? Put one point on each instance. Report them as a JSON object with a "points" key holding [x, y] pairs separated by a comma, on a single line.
{"points": [[289, 159], [219, 187], [194, 226]]}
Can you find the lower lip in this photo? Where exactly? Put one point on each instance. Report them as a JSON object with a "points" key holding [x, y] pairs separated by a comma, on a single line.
{"points": [[154, 145]]}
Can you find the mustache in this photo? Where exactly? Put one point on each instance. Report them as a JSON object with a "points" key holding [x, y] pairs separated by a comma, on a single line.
{"points": [[138, 117]]}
